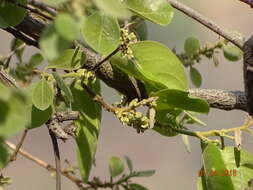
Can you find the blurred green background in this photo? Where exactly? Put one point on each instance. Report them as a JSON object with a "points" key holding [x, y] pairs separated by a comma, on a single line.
{"points": [[175, 168]]}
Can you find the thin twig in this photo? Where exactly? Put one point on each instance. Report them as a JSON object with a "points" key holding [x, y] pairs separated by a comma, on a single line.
{"points": [[206, 22], [36, 11], [57, 159], [18, 146], [43, 164], [97, 65]]}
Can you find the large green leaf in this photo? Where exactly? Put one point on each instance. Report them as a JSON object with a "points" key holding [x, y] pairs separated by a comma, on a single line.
{"points": [[67, 27], [70, 59], [238, 166], [52, 44], [113, 8], [88, 126], [4, 154], [214, 166], [13, 115], [158, 11], [170, 98], [11, 14], [159, 64], [116, 166], [102, 32], [42, 96]]}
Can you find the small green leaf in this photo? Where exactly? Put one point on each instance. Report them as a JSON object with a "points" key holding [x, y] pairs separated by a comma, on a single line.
{"points": [[88, 126], [191, 46], [195, 76], [40, 117], [113, 8], [60, 82], [147, 173], [102, 33], [35, 60], [16, 47], [70, 59], [116, 166], [11, 14], [54, 3], [141, 30], [232, 53], [158, 11], [52, 44], [134, 186], [42, 96], [194, 119], [151, 56], [67, 27], [13, 115], [170, 98], [4, 155], [129, 163]]}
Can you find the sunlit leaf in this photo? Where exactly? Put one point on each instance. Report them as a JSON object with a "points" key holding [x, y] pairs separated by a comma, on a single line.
{"points": [[113, 8], [67, 27], [13, 115], [116, 166], [42, 96], [158, 11], [52, 44], [170, 98], [101, 32]]}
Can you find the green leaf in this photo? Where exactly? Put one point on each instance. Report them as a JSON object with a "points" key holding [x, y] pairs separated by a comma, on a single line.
{"points": [[88, 126], [113, 8], [14, 117], [11, 14], [134, 186], [193, 118], [37, 117], [70, 59], [60, 82], [129, 163], [52, 44], [159, 64], [195, 76], [116, 166], [102, 33], [4, 155], [16, 47], [158, 11], [147, 173], [214, 166], [35, 60], [142, 30], [67, 27], [191, 46], [42, 96], [170, 98], [232, 53]]}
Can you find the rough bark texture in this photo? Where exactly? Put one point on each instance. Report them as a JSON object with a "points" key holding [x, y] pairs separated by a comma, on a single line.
{"points": [[248, 73]]}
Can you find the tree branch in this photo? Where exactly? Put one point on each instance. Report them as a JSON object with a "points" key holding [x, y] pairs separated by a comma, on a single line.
{"points": [[206, 22]]}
